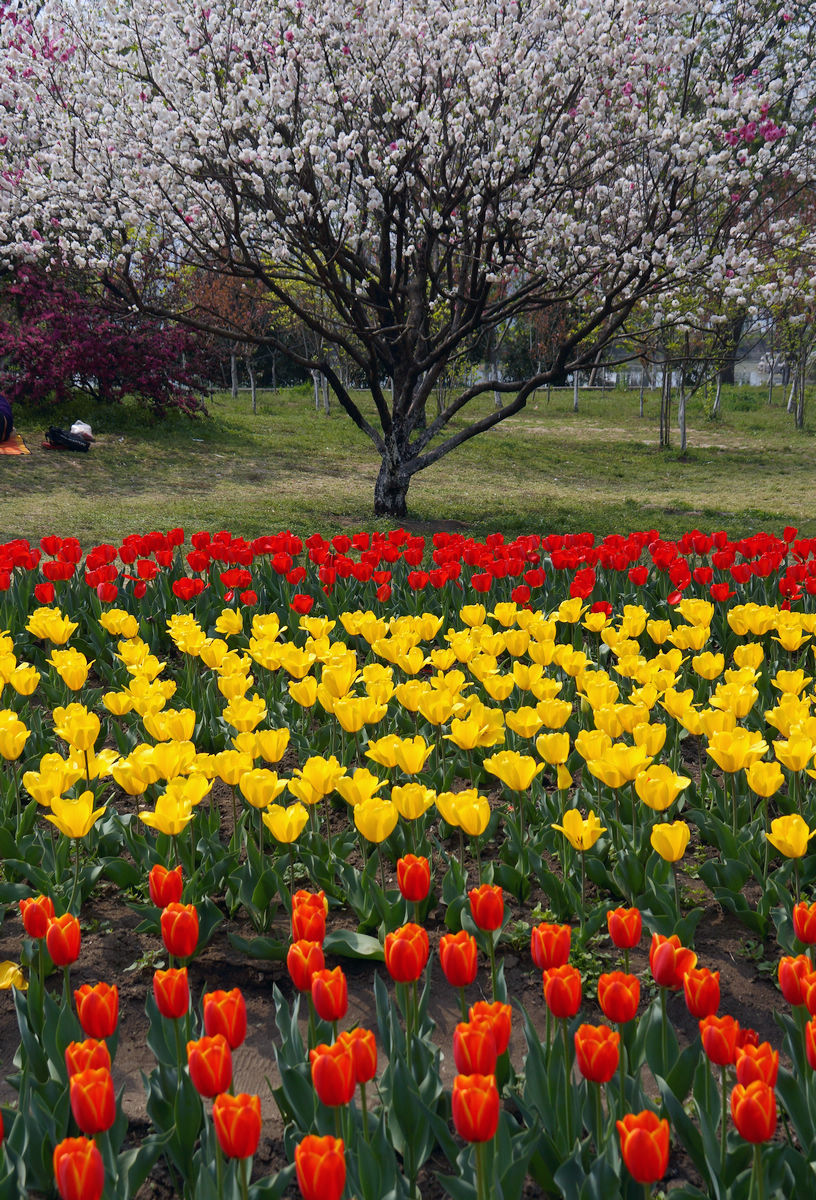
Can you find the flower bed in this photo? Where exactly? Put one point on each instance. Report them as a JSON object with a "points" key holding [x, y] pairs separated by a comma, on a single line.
{"points": [[428, 737]]}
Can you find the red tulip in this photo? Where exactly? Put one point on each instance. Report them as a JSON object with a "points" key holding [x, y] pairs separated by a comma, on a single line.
{"points": [[210, 1064], [475, 1107], [719, 1037], [302, 960], [171, 991], [804, 922], [413, 877], [165, 886], [237, 1121], [36, 912], [321, 1167], [550, 945], [333, 1073], [753, 1111], [90, 1055], [79, 1172], [330, 994], [644, 1142], [487, 907], [619, 996], [625, 927], [562, 990], [225, 1012], [308, 916], [500, 1017], [459, 958], [701, 988], [757, 1062], [474, 1048], [669, 961], [363, 1046], [406, 952], [63, 940], [810, 1042], [97, 1009], [791, 973], [597, 1052], [179, 927], [93, 1102]]}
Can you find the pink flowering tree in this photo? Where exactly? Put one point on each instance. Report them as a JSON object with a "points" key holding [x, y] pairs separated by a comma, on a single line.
{"points": [[431, 171], [56, 341]]}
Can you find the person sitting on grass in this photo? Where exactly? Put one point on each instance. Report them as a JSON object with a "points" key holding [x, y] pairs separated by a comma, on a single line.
{"points": [[6, 421]]}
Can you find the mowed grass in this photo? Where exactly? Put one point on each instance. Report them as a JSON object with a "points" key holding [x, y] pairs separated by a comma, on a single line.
{"points": [[287, 466]]}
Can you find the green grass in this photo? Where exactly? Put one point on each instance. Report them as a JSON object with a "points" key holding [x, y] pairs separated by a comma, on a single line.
{"points": [[287, 466]]}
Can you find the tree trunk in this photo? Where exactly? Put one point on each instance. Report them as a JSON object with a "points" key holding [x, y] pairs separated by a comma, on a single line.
{"points": [[770, 383], [800, 404], [326, 400], [390, 491], [575, 391], [792, 393], [681, 416], [715, 408], [250, 365], [234, 374], [316, 385]]}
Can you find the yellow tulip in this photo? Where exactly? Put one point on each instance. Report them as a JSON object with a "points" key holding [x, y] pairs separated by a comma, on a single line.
{"points": [[72, 667], [92, 765], [651, 737], [48, 624], [788, 713], [790, 835], [170, 724], [11, 976], [303, 691], [118, 703], [619, 764], [608, 719], [525, 721], [563, 778], [54, 777], [516, 642], [230, 765], [143, 760], [765, 778], [384, 750], [670, 840], [554, 748], [497, 685], [554, 713], [260, 787], [119, 623], [472, 812], [516, 771], [791, 638], [436, 706], [353, 712], [658, 631], [74, 818], [272, 743], [506, 612], [189, 789], [708, 665], [594, 622], [14, 734], [791, 681], [230, 621], [465, 734], [234, 685], [736, 698], [598, 688], [318, 777], [734, 749], [24, 679], [285, 824], [412, 754], [690, 637], [175, 758], [542, 653], [659, 787], [715, 720], [582, 834], [130, 778], [412, 800], [171, 816], [571, 611], [244, 713], [359, 786], [592, 743], [446, 805], [750, 654], [795, 753], [376, 818], [77, 726]]}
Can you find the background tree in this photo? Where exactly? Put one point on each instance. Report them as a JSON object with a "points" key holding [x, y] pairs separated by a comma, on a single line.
{"points": [[432, 171]]}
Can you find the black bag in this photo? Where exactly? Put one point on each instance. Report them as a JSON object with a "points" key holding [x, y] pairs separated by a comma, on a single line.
{"points": [[60, 440]]}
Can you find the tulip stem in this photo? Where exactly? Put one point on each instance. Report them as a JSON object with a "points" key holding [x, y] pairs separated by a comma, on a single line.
{"points": [[568, 1072], [734, 804], [364, 1106], [583, 891], [724, 1127], [664, 1028], [179, 1051], [622, 1069], [480, 1171], [382, 869], [76, 876], [676, 891], [219, 1167], [758, 1174], [312, 1026], [796, 878], [491, 950], [596, 1087], [463, 1003], [243, 1172]]}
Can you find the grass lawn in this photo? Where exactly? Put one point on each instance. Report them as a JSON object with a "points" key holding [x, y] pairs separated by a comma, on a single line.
{"points": [[287, 466]]}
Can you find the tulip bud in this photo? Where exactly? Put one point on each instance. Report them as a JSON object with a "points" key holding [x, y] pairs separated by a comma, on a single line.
{"points": [[550, 945], [413, 878], [562, 990], [93, 1102], [500, 1017], [179, 927], [63, 940], [487, 907], [210, 1063], [330, 994], [302, 961], [237, 1121], [321, 1167], [333, 1074], [619, 996], [225, 1012], [753, 1111], [475, 1107], [458, 957], [171, 991], [36, 912], [406, 952], [165, 886], [644, 1142], [97, 1009], [597, 1052], [79, 1172], [88, 1055]]}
